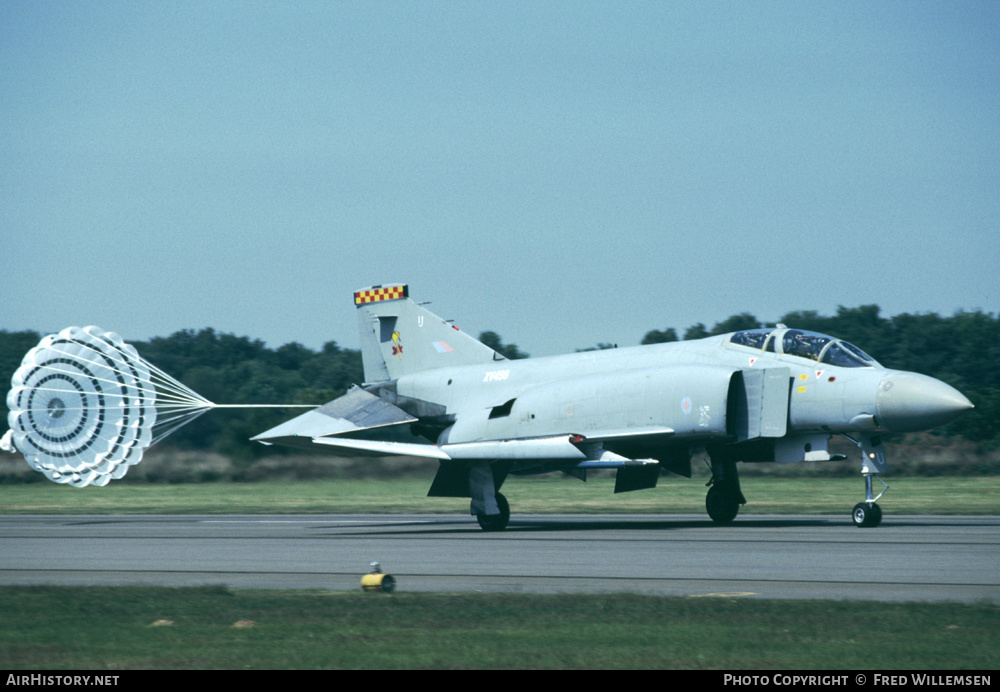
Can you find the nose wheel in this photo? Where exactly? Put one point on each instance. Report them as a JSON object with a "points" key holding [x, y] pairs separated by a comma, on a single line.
{"points": [[867, 515]]}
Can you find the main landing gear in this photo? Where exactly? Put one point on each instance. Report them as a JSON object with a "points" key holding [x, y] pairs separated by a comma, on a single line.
{"points": [[724, 496], [496, 522], [480, 481]]}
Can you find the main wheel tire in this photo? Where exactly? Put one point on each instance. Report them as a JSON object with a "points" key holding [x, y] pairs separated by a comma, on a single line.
{"points": [[722, 506], [496, 522]]}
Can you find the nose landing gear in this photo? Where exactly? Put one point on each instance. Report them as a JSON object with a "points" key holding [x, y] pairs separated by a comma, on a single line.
{"points": [[868, 514]]}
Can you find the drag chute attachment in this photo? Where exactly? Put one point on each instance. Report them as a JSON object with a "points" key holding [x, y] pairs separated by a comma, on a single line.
{"points": [[84, 406]]}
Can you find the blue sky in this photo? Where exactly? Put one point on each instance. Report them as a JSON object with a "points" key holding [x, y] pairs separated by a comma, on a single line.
{"points": [[563, 173]]}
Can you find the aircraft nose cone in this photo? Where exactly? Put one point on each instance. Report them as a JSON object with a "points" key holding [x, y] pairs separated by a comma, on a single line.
{"points": [[908, 402]]}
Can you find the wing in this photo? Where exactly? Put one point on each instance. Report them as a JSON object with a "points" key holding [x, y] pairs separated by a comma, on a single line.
{"points": [[361, 423]]}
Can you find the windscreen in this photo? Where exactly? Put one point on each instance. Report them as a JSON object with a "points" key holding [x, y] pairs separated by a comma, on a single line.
{"points": [[805, 344]]}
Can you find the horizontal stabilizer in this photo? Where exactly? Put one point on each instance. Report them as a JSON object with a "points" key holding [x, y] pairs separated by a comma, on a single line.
{"points": [[356, 413]]}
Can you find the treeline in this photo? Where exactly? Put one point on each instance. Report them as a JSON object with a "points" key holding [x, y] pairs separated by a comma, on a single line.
{"points": [[963, 350]]}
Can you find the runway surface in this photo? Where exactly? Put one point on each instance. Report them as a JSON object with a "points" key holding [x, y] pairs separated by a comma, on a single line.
{"points": [[908, 558]]}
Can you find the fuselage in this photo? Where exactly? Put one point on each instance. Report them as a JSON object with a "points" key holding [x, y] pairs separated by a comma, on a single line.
{"points": [[685, 387]]}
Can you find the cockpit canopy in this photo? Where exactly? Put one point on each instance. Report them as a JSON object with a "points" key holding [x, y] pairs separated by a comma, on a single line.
{"points": [[811, 345]]}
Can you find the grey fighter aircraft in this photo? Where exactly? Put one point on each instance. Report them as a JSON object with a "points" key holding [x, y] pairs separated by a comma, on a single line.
{"points": [[760, 395]]}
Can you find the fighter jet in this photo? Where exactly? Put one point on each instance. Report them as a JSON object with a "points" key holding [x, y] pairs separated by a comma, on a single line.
{"points": [[760, 395]]}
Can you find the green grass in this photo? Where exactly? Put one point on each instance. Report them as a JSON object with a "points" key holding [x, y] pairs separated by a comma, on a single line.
{"points": [[158, 628], [552, 493]]}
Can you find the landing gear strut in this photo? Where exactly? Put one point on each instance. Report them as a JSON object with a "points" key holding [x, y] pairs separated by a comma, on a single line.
{"points": [[868, 514]]}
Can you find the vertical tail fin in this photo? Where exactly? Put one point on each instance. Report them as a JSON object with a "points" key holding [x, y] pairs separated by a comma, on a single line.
{"points": [[400, 337]]}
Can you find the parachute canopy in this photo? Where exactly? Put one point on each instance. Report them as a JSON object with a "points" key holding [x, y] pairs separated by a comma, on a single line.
{"points": [[84, 405]]}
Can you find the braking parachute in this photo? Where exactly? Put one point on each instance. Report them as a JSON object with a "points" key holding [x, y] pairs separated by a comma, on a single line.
{"points": [[84, 406]]}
